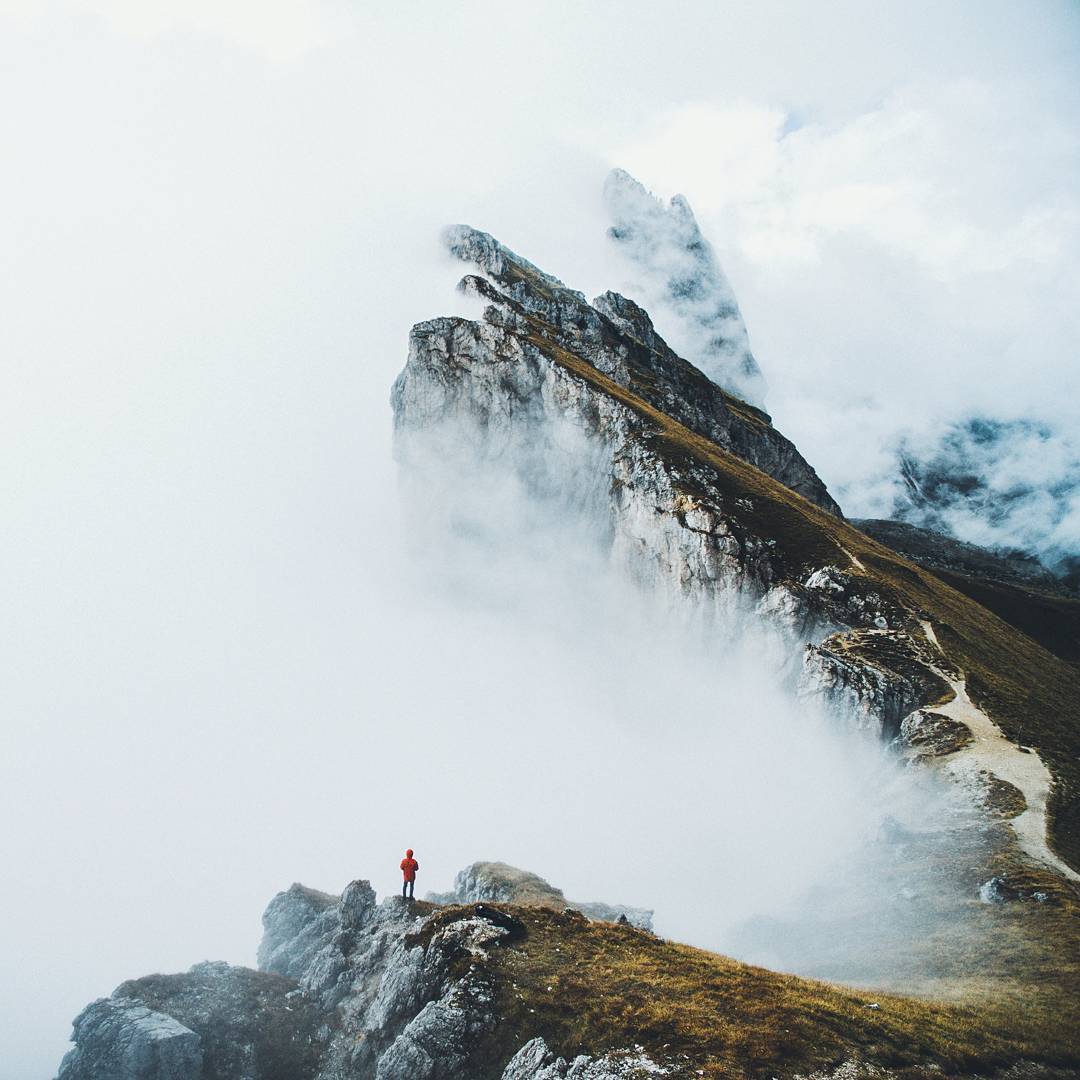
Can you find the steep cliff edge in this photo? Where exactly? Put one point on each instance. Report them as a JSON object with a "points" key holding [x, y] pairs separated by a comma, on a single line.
{"points": [[616, 337], [349, 989], [704, 499]]}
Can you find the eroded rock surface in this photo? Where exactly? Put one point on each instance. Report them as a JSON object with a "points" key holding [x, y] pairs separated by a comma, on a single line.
{"points": [[122, 1039], [535, 1061], [534, 311], [932, 734], [542, 360], [499, 882]]}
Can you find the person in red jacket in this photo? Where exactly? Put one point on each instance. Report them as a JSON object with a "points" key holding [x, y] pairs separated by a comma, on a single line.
{"points": [[409, 866]]}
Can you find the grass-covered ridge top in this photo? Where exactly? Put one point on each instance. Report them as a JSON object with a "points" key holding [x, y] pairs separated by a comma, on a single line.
{"points": [[589, 987]]}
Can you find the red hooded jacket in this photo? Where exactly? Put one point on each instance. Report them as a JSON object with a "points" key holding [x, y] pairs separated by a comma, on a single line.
{"points": [[409, 866]]}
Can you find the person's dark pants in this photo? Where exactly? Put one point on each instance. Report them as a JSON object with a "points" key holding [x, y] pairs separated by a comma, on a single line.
{"points": [[407, 888]]}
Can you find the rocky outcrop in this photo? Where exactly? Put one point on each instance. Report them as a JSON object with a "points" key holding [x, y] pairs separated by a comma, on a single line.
{"points": [[875, 676], [931, 734], [680, 272], [121, 1038], [348, 989], [535, 1061], [496, 881], [295, 926], [248, 1023], [345, 993]]}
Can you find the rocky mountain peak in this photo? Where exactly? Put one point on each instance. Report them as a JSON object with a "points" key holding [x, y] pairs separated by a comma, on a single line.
{"points": [[534, 310], [679, 271], [691, 491]]}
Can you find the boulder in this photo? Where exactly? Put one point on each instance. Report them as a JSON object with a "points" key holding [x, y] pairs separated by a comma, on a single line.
{"points": [[122, 1039]]}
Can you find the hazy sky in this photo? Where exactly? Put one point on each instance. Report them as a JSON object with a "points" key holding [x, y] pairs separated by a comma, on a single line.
{"points": [[218, 221]]}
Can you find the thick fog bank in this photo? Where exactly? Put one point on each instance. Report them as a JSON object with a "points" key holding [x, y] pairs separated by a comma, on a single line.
{"points": [[639, 748]]}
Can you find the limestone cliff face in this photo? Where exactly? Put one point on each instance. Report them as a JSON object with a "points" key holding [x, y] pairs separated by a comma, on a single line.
{"points": [[536, 312], [674, 461]]}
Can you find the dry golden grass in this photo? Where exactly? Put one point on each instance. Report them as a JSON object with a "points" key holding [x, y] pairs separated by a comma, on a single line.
{"points": [[588, 987]]}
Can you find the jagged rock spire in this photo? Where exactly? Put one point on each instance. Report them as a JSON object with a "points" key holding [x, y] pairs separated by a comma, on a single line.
{"points": [[614, 335], [681, 276]]}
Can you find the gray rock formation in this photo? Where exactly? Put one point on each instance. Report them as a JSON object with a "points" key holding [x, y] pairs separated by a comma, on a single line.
{"points": [[295, 924], [535, 1061], [680, 273], [875, 676], [248, 1023], [930, 734], [122, 1039], [501, 883]]}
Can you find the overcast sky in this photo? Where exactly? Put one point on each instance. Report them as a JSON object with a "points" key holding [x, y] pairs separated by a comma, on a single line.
{"points": [[218, 221]]}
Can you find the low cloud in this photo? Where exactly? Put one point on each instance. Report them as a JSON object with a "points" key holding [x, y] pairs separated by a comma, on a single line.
{"points": [[906, 275], [1002, 484]]}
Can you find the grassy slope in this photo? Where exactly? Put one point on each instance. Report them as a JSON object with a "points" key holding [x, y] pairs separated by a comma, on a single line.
{"points": [[1052, 621], [1030, 693], [588, 987]]}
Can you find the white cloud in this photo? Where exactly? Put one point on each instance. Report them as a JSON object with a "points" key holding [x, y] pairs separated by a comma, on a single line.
{"points": [[917, 174], [281, 30], [908, 266]]}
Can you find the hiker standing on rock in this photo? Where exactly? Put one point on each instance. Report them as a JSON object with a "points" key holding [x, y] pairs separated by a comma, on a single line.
{"points": [[409, 866]]}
